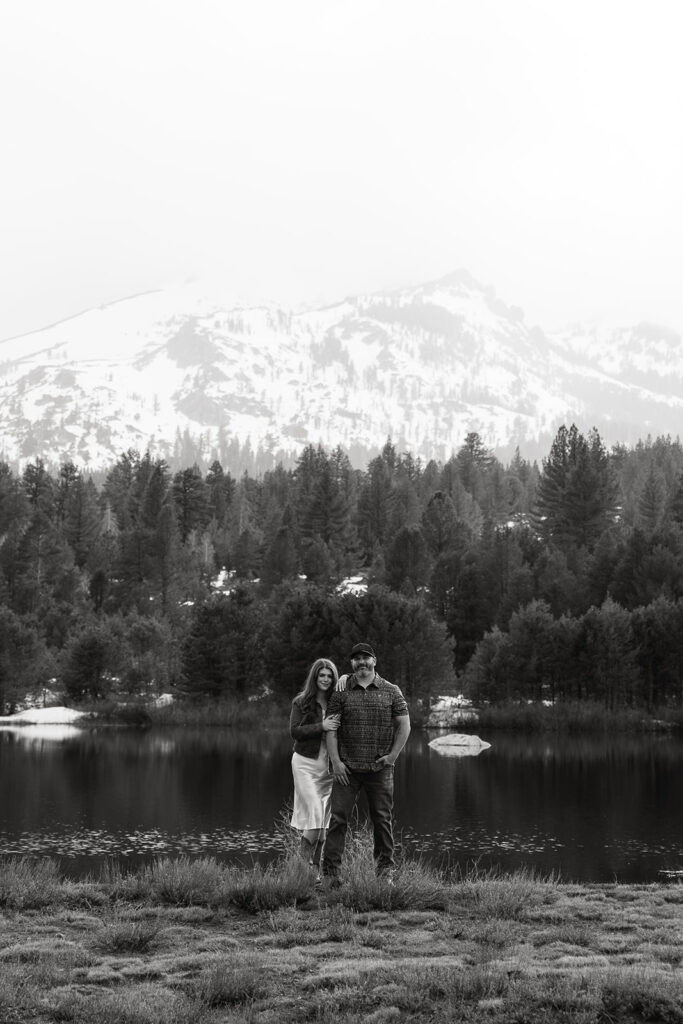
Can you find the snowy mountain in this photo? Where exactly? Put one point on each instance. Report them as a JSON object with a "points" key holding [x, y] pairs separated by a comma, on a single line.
{"points": [[184, 372]]}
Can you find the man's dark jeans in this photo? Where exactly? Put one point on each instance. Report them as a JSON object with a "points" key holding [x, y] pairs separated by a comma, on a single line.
{"points": [[379, 790]]}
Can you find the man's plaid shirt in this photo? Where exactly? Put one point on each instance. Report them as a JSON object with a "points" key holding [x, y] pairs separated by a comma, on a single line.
{"points": [[367, 718]]}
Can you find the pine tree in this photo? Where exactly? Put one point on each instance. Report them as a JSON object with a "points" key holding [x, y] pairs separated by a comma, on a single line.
{"points": [[326, 514], [576, 497], [244, 511], [405, 505], [652, 501], [469, 600], [487, 675], [309, 468], [607, 655], [24, 659], [248, 556], [118, 486], [530, 652], [221, 656], [40, 490], [166, 563], [303, 624], [69, 475], [281, 560], [472, 463], [439, 523], [520, 481], [191, 498], [148, 541], [221, 488], [408, 559], [317, 563], [412, 648], [658, 638], [676, 504], [82, 519], [90, 661], [467, 510], [14, 519], [593, 492], [375, 503]]}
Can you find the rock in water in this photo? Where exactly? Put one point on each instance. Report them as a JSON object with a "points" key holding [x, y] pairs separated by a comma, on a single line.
{"points": [[458, 744]]}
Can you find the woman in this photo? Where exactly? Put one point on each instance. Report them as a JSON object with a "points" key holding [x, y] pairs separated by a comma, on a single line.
{"points": [[312, 777]]}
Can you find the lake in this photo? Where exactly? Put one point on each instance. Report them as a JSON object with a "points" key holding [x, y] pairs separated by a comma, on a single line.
{"points": [[592, 809]]}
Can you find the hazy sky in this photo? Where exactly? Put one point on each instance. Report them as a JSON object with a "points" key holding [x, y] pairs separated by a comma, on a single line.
{"points": [[302, 151]]}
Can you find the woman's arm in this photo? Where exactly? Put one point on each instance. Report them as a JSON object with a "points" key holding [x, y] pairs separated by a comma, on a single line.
{"points": [[339, 769], [301, 732]]}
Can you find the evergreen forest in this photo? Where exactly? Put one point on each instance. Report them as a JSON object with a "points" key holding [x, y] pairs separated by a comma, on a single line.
{"points": [[513, 582]]}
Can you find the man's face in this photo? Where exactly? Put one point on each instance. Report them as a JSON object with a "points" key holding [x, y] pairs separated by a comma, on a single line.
{"points": [[363, 663]]}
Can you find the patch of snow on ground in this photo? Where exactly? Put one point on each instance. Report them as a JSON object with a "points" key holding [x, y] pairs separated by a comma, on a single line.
{"points": [[353, 585], [223, 580], [449, 703]]}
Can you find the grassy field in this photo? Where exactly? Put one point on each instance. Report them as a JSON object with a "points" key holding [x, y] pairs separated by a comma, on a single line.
{"points": [[196, 942]]}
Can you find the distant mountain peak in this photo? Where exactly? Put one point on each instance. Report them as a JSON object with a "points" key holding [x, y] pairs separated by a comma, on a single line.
{"points": [[424, 365]]}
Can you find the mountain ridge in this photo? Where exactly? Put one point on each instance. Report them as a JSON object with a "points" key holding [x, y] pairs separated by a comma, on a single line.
{"points": [[177, 371]]}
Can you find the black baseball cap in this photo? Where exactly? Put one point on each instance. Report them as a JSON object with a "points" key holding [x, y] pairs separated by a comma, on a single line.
{"points": [[362, 649]]}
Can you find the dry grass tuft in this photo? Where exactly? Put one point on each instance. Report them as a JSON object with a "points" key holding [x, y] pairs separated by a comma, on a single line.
{"points": [[125, 936], [28, 884], [495, 895], [229, 984], [132, 1004]]}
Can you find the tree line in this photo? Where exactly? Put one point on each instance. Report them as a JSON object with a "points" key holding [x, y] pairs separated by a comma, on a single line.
{"points": [[515, 581]]}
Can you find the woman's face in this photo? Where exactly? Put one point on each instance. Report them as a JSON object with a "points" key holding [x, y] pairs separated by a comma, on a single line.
{"points": [[325, 679]]}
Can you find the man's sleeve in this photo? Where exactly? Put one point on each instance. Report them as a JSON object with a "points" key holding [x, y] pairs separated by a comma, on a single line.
{"points": [[334, 704], [399, 706]]}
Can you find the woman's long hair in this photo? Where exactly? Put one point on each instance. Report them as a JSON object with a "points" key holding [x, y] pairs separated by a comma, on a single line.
{"points": [[311, 685]]}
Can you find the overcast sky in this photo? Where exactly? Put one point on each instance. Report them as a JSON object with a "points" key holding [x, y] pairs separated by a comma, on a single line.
{"points": [[302, 151]]}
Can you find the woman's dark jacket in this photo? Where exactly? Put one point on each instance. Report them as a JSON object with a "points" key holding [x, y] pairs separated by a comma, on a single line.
{"points": [[306, 726]]}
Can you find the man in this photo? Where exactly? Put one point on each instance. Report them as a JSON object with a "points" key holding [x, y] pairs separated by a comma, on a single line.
{"points": [[373, 729]]}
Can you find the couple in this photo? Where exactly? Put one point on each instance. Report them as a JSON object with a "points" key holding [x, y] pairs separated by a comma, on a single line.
{"points": [[348, 733]]}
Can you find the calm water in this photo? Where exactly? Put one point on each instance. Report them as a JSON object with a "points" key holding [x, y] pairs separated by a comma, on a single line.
{"points": [[596, 810]]}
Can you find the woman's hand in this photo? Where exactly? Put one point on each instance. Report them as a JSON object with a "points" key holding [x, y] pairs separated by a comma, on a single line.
{"points": [[341, 685], [331, 724], [340, 772]]}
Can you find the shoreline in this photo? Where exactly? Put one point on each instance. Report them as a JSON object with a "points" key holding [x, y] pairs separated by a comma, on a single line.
{"points": [[576, 717]]}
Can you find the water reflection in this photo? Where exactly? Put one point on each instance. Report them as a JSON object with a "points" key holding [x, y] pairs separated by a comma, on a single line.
{"points": [[32, 734], [589, 808], [592, 809]]}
